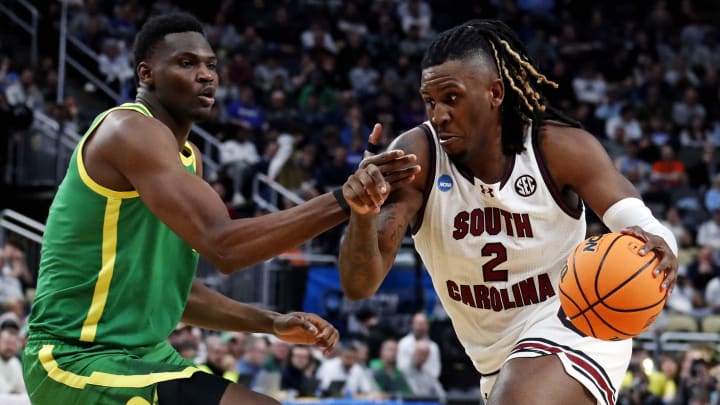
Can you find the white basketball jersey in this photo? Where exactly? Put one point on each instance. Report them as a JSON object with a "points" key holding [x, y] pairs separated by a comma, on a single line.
{"points": [[495, 251]]}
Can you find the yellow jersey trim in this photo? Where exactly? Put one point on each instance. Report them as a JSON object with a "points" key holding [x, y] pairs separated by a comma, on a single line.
{"points": [[101, 379], [188, 160], [89, 182], [110, 193], [102, 285]]}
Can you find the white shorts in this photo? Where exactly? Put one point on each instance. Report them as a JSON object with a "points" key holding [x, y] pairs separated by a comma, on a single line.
{"points": [[598, 365]]}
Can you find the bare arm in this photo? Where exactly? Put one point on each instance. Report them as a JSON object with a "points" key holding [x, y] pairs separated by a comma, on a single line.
{"points": [[372, 239], [211, 310], [580, 163], [144, 153]]}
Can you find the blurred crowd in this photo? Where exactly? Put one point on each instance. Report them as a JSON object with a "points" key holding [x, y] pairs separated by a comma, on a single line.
{"points": [[302, 83]]}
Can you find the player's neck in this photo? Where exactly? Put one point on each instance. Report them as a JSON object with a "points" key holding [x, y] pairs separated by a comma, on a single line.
{"points": [[489, 162], [181, 129]]}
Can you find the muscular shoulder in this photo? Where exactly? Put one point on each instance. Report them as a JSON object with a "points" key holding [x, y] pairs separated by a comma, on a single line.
{"points": [[415, 141], [570, 152], [125, 133]]}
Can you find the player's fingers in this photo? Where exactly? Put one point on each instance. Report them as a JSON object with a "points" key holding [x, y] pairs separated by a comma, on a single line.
{"points": [[399, 163], [635, 231], [381, 158], [402, 176], [374, 141], [374, 185], [357, 193]]}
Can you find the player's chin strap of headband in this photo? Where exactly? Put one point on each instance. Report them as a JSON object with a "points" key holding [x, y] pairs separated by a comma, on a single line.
{"points": [[632, 211]]}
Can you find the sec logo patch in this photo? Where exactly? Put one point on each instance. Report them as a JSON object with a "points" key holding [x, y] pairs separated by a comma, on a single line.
{"points": [[525, 185]]}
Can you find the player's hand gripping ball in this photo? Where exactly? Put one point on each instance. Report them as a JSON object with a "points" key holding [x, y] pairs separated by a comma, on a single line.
{"points": [[607, 290]]}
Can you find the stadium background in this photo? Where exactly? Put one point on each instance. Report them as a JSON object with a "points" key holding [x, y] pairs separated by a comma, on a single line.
{"points": [[301, 84]]}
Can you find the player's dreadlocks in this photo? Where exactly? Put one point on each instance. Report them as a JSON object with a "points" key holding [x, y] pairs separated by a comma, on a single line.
{"points": [[524, 100]]}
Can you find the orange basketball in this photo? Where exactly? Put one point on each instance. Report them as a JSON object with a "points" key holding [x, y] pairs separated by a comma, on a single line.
{"points": [[607, 290]]}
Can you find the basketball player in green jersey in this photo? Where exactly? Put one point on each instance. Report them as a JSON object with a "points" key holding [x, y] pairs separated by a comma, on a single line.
{"points": [[126, 228]]}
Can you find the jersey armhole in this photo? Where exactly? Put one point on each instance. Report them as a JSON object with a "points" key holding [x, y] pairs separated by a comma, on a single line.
{"points": [[550, 182], [430, 177]]}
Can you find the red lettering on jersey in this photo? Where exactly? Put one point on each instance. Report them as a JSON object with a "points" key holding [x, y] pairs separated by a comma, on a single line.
{"points": [[545, 287], [481, 296], [508, 221], [461, 225], [506, 302], [522, 224], [492, 220], [529, 293], [467, 297], [495, 299], [453, 290], [477, 222]]}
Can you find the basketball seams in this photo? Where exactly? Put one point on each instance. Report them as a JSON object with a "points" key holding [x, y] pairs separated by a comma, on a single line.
{"points": [[582, 293], [601, 308]]}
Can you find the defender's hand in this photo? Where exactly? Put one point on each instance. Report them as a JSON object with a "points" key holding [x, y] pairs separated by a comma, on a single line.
{"points": [[307, 329]]}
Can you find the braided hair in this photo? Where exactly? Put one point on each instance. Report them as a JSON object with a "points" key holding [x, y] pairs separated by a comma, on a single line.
{"points": [[524, 101]]}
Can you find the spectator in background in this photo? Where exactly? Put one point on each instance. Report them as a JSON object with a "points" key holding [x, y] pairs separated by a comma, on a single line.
{"points": [[590, 86], [219, 361], [252, 361], [25, 92], [269, 70], [298, 373], [701, 172], [712, 196], [631, 130], [632, 167], [406, 348], [696, 134], [364, 78], [236, 345], [317, 39], [222, 35], [14, 273], [683, 110], [388, 377], [415, 13], [277, 357], [11, 377], [673, 221], [115, 63], [421, 383], [708, 234], [344, 367], [245, 112], [669, 170]]}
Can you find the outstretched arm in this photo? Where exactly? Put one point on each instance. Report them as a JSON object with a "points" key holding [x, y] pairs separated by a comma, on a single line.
{"points": [[211, 310], [579, 162], [145, 153], [374, 236]]}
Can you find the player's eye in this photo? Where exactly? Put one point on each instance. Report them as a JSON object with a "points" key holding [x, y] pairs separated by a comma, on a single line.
{"points": [[212, 66], [186, 63], [429, 103]]}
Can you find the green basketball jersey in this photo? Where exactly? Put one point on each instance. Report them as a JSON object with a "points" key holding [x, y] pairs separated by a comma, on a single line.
{"points": [[111, 272]]}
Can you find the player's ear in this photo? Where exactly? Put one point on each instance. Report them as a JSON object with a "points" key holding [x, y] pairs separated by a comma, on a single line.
{"points": [[497, 93], [144, 74]]}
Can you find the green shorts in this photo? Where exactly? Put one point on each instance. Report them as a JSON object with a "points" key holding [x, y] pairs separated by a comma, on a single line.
{"points": [[60, 373]]}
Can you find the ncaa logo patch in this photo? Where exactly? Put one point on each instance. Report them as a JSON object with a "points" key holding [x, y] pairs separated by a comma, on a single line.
{"points": [[445, 183], [525, 185]]}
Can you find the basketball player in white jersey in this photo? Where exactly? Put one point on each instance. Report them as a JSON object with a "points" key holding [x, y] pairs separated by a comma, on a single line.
{"points": [[494, 212]]}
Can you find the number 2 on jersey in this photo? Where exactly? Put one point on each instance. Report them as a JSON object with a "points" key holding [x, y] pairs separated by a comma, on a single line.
{"points": [[499, 255]]}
